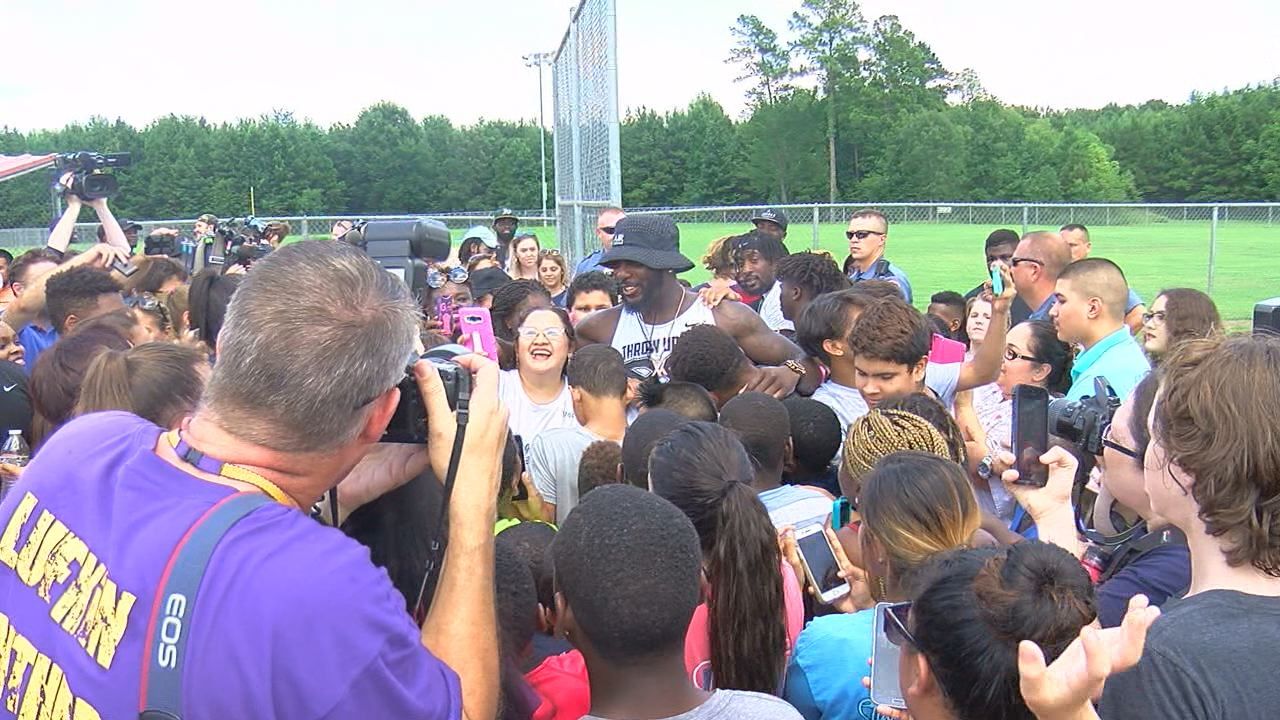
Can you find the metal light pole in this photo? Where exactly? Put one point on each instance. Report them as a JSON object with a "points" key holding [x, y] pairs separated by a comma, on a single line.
{"points": [[537, 60]]}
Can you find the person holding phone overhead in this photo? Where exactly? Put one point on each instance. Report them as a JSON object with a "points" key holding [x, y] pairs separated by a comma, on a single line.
{"points": [[914, 505]]}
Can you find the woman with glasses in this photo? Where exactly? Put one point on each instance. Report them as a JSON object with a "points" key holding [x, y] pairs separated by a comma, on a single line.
{"points": [[536, 392], [1033, 355], [1176, 315], [523, 264], [913, 506], [959, 637], [554, 274]]}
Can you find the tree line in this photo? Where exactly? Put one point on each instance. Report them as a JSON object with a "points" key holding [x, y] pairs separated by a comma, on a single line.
{"points": [[839, 109]]}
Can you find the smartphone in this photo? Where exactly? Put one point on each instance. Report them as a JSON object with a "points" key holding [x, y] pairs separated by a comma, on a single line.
{"points": [[997, 280], [820, 564], [521, 492], [476, 331], [945, 351], [885, 687], [445, 311], [840, 512], [1031, 433]]}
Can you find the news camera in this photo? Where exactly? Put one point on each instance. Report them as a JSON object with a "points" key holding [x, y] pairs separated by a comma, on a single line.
{"points": [[404, 248], [239, 241], [90, 181]]}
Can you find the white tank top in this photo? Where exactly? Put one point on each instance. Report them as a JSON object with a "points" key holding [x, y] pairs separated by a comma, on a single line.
{"points": [[645, 347]]}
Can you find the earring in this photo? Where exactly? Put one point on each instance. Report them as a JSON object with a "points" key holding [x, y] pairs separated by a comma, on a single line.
{"points": [[881, 587]]}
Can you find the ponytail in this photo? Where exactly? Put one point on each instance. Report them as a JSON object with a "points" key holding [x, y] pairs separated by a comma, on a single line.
{"points": [[703, 469], [745, 613]]}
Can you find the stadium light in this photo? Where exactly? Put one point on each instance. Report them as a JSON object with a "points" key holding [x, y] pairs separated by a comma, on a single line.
{"points": [[537, 60]]}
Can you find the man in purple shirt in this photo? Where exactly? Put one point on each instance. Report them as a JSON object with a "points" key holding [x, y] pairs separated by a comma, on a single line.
{"points": [[291, 620]]}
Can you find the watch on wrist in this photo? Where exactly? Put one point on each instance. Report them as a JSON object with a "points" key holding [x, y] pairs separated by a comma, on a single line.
{"points": [[985, 467], [796, 367]]}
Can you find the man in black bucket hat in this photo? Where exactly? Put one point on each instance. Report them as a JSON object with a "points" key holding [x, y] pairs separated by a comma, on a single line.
{"points": [[656, 310]]}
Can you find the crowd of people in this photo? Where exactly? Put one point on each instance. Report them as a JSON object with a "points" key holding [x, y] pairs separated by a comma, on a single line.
{"points": [[606, 518]]}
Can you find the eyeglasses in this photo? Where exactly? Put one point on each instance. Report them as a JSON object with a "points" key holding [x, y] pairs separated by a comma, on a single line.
{"points": [[531, 333], [862, 234], [895, 624], [1011, 354], [1153, 318], [608, 230], [436, 277], [1108, 442], [1014, 261]]}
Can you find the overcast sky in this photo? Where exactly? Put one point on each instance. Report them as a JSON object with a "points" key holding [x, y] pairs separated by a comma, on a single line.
{"points": [[325, 60]]}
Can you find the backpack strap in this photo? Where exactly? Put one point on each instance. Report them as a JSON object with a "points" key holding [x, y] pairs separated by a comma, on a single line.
{"points": [[173, 609]]}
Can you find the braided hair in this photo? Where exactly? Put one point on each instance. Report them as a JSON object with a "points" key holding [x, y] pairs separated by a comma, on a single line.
{"points": [[507, 299], [816, 273], [883, 432]]}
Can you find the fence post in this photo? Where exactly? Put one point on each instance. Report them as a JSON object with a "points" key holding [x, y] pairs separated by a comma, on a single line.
{"points": [[306, 230], [1025, 211], [1108, 215], [816, 243], [1213, 249]]}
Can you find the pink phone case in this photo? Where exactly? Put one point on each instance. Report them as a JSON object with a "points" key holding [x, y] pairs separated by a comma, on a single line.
{"points": [[476, 331], [945, 350]]}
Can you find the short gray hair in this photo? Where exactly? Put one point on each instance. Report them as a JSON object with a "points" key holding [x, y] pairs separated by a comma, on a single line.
{"points": [[316, 331]]}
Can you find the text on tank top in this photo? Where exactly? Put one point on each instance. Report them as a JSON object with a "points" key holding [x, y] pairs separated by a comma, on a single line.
{"points": [[645, 347]]}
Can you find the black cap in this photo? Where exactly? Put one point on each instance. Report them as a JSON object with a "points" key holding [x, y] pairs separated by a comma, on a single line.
{"points": [[505, 214], [485, 281], [772, 215], [127, 225], [650, 240]]}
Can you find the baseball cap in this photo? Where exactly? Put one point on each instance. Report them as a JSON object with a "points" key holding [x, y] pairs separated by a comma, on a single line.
{"points": [[505, 214], [484, 282], [772, 215], [483, 234], [128, 225], [650, 240]]}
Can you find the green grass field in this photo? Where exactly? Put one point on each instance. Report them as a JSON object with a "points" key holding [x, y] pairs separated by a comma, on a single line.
{"points": [[949, 256]]}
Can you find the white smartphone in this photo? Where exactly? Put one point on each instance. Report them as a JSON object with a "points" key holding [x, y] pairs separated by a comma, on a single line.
{"points": [[885, 688], [820, 563]]}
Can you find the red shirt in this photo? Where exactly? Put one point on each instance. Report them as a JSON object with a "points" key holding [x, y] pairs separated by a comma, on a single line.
{"points": [[561, 682]]}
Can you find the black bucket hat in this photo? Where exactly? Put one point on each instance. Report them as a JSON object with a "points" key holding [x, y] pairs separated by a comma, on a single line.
{"points": [[650, 240]]}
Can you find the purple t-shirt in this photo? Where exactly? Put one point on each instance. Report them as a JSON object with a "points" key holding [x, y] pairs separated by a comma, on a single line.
{"points": [[291, 620]]}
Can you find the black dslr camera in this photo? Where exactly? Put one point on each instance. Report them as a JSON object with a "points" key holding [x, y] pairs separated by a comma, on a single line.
{"points": [[1083, 421], [409, 423], [239, 241], [89, 182]]}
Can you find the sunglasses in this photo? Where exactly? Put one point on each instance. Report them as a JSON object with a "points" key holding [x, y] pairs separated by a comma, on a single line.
{"points": [[436, 278], [1014, 261], [862, 234], [608, 230], [550, 252], [147, 302], [895, 624]]}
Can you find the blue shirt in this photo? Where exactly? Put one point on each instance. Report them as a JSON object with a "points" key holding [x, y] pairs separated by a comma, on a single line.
{"points": [[35, 340], [1116, 357], [1042, 312], [891, 273], [824, 677], [589, 263], [1160, 574]]}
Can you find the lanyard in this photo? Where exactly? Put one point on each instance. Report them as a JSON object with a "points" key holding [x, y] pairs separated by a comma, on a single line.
{"points": [[213, 466]]}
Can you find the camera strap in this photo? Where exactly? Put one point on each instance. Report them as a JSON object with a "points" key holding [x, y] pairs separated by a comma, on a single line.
{"points": [[435, 553], [173, 609]]}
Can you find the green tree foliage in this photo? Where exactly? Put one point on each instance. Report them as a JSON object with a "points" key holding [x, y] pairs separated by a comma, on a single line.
{"points": [[765, 62]]}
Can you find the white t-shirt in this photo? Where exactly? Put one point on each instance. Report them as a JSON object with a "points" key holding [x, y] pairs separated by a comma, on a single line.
{"points": [[528, 419], [943, 379], [847, 402], [771, 310]]}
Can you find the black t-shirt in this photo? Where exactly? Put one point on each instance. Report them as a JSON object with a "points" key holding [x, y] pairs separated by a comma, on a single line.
{"points": [[1018, 311], [1210, 656], [15, 401]]}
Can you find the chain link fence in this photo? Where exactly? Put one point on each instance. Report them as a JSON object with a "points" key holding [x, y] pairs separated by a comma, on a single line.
{"points": [[585, 87]]}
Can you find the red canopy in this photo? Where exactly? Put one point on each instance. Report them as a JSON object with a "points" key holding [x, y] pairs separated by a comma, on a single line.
{"points": [[11, 166]]}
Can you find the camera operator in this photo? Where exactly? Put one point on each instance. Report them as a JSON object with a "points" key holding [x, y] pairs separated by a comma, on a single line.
{"points": [[63, 232], [1148, 558], [293, 620]]}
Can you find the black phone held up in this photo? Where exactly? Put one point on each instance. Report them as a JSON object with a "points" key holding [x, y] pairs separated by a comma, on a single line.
{"points": [[521, 492], [1031, 434]]}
